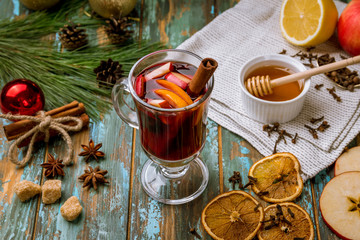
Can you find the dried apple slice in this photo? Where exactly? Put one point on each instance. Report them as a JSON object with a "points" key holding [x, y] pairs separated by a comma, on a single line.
{"points": [[176, 89], [158, 72], [286, 221], [276, 178], [161, 103], [348, 161], [140, 86], [340, 205], [178, 79], [174, 100]]}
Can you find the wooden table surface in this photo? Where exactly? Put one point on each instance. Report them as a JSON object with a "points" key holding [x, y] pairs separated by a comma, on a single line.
{"points": [[122, 210]]}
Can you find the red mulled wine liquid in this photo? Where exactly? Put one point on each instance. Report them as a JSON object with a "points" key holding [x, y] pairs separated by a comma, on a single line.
{"points": [[170, 135]]}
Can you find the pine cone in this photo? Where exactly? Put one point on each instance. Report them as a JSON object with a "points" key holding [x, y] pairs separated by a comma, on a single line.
{"points": [[108, 73], [118, 30], [71, 37]]}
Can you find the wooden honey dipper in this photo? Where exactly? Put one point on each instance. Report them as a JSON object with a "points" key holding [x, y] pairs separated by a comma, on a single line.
{"points": [[262, 85]]}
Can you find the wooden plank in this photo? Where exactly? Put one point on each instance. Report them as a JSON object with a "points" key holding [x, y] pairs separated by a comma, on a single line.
{"points": [[318, 184], [11, 8], [105, 211], [16, 217], [238, 155], [153, 220], [173, 21], [6, 9], [222, 6]]}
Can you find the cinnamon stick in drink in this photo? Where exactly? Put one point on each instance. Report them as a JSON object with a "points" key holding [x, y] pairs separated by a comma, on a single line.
{"points": [[204, 72]]}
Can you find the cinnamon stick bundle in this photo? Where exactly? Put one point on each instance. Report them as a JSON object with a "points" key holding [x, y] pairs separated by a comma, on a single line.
{"points": [[41, 136], [202, 75], [17, 129]]}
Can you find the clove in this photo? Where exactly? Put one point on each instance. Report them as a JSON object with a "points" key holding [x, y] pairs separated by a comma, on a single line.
{"points": [[332, 92], [344, 76], [294, 139], [315, 120], [291, 213], [318, 86], [236, 178], [193, 232], [324, 125], [281, 134], [312, 131]]}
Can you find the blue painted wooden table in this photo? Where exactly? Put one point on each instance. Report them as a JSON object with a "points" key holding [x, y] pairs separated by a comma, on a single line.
{"points": [[122, 210]]}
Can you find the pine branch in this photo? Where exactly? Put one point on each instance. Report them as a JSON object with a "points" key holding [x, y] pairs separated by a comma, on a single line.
{"points": [[42, 23], [67, 76], [63, 76]]}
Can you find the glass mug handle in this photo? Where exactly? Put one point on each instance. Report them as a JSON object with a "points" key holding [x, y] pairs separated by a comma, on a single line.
{"points": [[122, 108]]}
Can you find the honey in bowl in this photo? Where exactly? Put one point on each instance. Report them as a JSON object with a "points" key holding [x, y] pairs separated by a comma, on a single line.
{"points": [[280, 93]]}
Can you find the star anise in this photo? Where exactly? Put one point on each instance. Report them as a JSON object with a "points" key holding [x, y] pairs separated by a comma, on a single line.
{"points": [[53, 167], [93, 176], [92, 151]]}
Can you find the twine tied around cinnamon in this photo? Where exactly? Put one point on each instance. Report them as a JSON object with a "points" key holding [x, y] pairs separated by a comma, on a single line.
{"points": [[45, 123]]}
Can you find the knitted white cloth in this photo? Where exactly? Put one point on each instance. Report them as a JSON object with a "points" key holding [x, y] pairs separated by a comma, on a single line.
{"points": [[250, 29]]}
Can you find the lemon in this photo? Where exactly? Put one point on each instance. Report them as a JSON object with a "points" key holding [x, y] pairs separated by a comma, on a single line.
{"points": [[308, 22]]}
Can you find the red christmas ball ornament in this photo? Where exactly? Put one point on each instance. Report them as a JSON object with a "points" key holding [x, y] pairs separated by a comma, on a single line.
{"points": [[21, 96]]}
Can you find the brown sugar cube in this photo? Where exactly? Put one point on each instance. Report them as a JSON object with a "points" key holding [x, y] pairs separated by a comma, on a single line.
{"points": [[51, 191], [26, 190], [71, 209]]}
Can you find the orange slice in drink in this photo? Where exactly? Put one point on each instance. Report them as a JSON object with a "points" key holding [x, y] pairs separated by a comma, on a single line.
{"points": [[286, 221], [176, 89], [175, 100], [232, 215], [276, 178]]}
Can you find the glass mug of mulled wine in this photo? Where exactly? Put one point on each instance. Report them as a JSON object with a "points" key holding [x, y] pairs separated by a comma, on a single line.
{"points": [[171, 123]]}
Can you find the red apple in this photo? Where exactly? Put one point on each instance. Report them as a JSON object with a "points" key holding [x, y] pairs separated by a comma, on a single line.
{"points": [[158, 72], [178, 79], [140, 86], [159, 103], [348, 161], [340, 205], [348, 28]]}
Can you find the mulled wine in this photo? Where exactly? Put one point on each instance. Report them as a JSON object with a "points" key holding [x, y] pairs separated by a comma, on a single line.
{"points": [[171, 102], [166, 133]]}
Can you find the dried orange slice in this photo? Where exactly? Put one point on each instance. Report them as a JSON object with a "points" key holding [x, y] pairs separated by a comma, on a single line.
{"points": [[286, 221], [232, 215], [276, 178]]}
